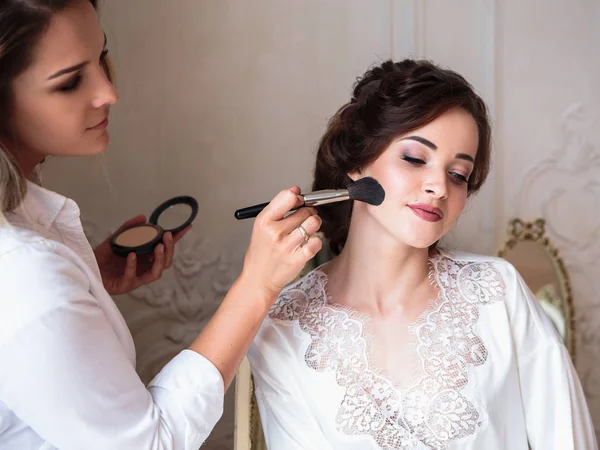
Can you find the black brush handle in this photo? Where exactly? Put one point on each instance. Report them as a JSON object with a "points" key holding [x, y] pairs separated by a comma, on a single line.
{"points": [[250, 211], [253, 211]]}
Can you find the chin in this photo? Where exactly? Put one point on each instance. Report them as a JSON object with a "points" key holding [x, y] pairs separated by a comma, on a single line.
{"points": [[420, 240], [421, 244], [98, 145]]}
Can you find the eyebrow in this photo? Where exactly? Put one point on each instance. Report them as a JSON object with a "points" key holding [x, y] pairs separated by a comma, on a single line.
{"points": [[419, 139], [432, 146], [465, 157], [74, 68]]}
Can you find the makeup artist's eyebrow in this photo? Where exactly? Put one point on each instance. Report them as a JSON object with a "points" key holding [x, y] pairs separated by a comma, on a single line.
{"points": [[432, 146], [71, 69], [76, 67]]}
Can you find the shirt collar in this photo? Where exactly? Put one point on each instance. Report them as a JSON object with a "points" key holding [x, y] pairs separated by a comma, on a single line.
{"points": [[41, 206]]}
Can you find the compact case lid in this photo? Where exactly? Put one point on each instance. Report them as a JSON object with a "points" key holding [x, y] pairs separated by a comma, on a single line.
{"points": [[168, 214], [167, 217]]}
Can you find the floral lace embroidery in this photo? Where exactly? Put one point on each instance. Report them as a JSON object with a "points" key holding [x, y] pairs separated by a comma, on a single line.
{"points": [[432, 411]]}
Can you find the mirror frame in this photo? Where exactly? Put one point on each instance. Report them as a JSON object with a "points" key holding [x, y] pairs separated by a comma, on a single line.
{"points": [[520, 230]]}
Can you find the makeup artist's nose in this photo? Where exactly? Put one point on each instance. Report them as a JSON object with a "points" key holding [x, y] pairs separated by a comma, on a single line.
{"points": [[436, 185], [105, 93]]}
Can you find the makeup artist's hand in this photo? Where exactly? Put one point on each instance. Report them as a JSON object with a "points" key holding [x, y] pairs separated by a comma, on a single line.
{"points": [[122, 275], [277, 252]]}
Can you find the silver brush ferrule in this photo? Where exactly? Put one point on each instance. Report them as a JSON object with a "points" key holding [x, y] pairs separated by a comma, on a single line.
{"points": [[326, 196]]}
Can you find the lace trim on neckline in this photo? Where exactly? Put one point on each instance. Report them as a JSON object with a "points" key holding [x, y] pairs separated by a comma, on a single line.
{"points": [[432, 411]]}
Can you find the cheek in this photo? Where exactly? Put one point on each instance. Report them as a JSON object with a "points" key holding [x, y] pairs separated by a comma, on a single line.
{"points": [[398, 183], [49, 122], [457, 203], [63, 112]]}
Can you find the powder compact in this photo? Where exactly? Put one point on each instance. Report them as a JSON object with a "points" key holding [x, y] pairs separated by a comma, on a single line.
{"points": [[171, 216]]}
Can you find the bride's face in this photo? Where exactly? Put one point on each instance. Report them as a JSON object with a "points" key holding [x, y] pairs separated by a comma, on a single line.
{"points": [[425, 175]]}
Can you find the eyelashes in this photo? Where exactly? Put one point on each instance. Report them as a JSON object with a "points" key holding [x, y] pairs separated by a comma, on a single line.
{"points": [[457, 177], [414, 161], [461, 178], [73, 83]]}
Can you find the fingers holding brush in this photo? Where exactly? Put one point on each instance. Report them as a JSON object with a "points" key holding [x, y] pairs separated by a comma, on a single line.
{"points": [[278, 249], [282, 204], [301, 226]]}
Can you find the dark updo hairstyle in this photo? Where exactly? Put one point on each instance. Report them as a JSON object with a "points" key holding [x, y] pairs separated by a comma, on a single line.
{"points": [[390, 100]]}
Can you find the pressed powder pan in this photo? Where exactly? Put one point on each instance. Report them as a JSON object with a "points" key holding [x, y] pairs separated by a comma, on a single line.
{"points": [[171, 216]]}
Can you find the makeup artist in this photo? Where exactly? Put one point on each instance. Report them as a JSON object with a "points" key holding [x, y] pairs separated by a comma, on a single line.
{"points": [[67, 359]]}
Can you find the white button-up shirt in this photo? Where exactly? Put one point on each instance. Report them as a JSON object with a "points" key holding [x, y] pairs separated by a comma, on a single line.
{"points": [[67, 358]]}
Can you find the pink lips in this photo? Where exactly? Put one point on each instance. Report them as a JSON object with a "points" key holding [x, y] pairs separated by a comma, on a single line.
{"points": [[101, 126], [427, 212]]}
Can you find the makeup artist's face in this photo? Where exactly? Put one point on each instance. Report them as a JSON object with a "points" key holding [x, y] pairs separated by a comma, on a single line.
{"points": [[61, 102], [424, 174]]}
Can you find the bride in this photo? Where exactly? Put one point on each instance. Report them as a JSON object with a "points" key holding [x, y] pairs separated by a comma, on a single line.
{"points": [[397, 343]]}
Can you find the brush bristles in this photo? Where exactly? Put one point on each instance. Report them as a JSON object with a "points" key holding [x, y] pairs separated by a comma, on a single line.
{"points": [[367, 190]]}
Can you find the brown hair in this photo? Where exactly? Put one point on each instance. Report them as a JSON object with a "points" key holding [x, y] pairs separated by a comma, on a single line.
{"points": [[388, 101], [22, 24]]}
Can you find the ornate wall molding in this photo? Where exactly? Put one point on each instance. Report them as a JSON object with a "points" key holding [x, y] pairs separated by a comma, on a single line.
{"points": [[566, 184], [564, 188]]}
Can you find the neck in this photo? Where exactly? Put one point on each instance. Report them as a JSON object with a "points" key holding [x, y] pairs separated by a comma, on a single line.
{"points": [[28, 167], [376, 273], [27, 162]]}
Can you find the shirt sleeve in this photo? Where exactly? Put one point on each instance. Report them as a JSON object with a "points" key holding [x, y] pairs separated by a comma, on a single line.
{"points": [[556, 413], [64, 372], [286, 418]]}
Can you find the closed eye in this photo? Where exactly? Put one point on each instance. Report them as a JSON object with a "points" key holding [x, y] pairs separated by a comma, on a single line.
{"points": [[411, 160], [459, 177], [71, 85]]}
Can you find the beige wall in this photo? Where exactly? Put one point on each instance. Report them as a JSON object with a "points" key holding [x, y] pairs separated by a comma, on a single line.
{"points": [[225, 100]]}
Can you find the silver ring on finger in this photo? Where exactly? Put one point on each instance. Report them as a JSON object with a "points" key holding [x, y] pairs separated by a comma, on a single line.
{"points": [[305, 235]]}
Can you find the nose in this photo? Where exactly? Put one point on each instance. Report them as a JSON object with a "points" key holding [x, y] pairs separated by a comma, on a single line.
{"points": [[436, 185], [105, 93]]}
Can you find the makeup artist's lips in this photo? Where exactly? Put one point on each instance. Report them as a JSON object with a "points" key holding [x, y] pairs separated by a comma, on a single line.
{"points": [[101, 126], [427, 212]]}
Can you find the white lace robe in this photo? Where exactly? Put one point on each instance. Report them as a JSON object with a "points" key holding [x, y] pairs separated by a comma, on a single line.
{"points": [[486, 370]]}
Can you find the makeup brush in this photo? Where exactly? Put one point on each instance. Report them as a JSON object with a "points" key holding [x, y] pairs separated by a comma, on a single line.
{"points": [[367, 190]]}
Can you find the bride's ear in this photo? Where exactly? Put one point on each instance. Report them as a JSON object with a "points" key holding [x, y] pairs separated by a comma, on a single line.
{"points": [[355, 175]]}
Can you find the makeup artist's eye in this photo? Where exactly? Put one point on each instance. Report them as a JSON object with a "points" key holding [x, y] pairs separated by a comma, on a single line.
{"points": [[71, 85], [411, 160], [103, 54]]}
